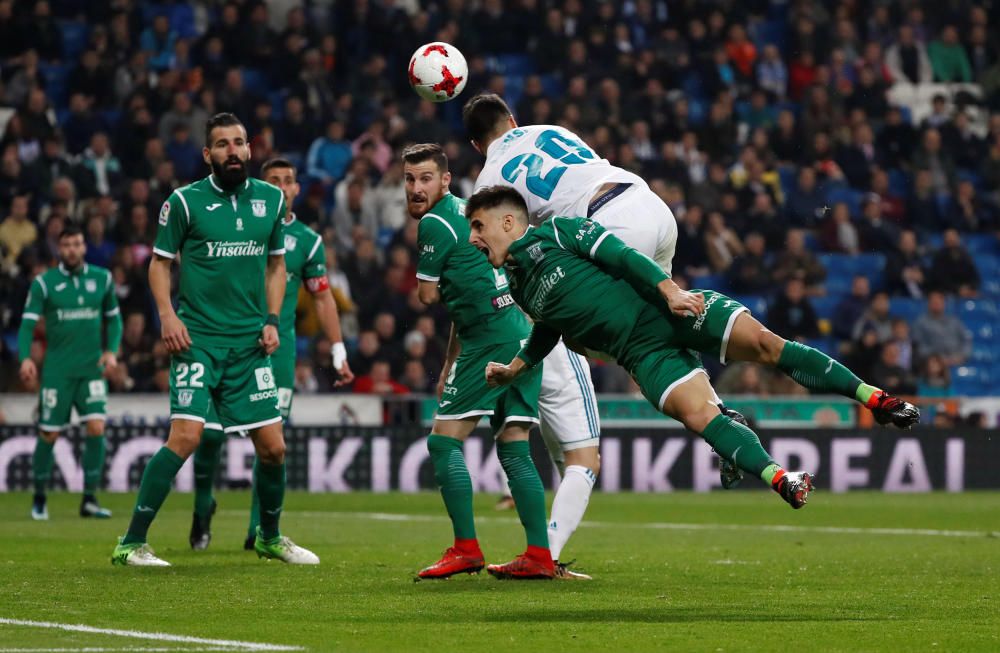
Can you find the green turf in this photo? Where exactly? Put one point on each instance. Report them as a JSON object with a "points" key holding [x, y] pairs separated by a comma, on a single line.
{"points": [[656, 587]]}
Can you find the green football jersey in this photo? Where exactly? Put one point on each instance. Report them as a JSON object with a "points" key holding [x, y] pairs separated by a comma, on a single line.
{"points": [[74, 305], [224, 240], [475, 294], [571, 277], [305, 258]]}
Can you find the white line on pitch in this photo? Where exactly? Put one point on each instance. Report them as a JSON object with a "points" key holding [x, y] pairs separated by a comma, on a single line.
{"points": [[101, 649], [770, 528], [230, 644]]}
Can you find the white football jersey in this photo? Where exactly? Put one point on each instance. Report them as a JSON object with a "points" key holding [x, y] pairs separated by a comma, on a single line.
{"points": [[553, 169]]}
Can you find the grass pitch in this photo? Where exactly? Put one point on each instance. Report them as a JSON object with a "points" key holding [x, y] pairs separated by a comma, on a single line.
{"points": [[677, 572]]}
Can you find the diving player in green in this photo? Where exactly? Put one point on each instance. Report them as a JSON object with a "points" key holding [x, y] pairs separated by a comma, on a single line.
{"points": [[226, 229], [76, 300], [305, 262], [486, 326], [576, 279]]}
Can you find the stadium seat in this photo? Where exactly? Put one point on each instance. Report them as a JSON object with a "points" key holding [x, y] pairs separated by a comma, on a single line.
{"points": [[74, 38], [710, 281], [899, 183], [756, 303], [988, 265], [829, 346], [849, 196], [512, 64], [908, 308], [826, 305], [976, 307], [56, 77], [983, 354], [982, 244]]}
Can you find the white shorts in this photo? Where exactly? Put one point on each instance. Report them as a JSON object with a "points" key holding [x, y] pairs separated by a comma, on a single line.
{"points": [[567, 405], [641, 219]]}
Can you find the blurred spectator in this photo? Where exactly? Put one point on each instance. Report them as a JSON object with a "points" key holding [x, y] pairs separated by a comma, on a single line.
{"points": [[948, 57], [102, 164], [935, 378], [941, 334], [798, 262], [184, 154], [922, 208], [967, 212], [749, 271], [329, 155], [932, 157], [743, 379], [838, 233], [907, 59], [722, 245], [99, 249], [895, 139], [904, 271], [850, 309], [857, 161], [357, 212], [952, 268], [772, 74], [889, 375], [157, 41], [806, 203], [791, 315], [890, 205], [17, 231], [875, 318], [415, 377], [389, 198], [903, 341], [864, 354], [877, 234], [379, 381]]}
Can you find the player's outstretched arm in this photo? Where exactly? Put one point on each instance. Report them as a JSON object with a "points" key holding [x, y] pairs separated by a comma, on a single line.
{"points": [[499, 374], [172, 330]]}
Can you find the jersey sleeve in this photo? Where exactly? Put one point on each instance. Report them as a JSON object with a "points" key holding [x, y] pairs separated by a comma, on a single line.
{"points": [[33, 308], [276, 243], [542, 340], [175, 218], [112, 316], [316, 261], [435, 239], [589, 239]]}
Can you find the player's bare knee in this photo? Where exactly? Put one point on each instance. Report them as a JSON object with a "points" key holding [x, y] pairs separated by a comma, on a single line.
{"points": [[770, 347], [95, 428], [49, 436], [271, 453], [588, 457], [696, 418]]}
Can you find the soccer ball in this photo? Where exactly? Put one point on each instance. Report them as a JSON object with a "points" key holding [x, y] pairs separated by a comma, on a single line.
{"points": [[438, 72]]}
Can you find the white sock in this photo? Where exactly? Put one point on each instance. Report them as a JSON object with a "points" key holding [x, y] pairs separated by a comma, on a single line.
{"points": [[569, 505]]}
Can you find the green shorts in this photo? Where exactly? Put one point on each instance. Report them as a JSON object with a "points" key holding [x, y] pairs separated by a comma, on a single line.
{"points": [[238, 381], [709, 332], [283, 363], [466, 393], [58, 396]]}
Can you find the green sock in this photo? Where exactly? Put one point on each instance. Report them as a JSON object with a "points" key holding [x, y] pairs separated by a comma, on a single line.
{"points": [[271, 493], [254, 503], [737, 443], [153, 490], [817, 371], [206, 462], [452, 475], [526, 488], [769, 473], [41, 464], [93, 463]]}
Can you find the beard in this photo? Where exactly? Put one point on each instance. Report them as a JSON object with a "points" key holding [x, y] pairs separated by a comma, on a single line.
{"points": [[229, 178]]}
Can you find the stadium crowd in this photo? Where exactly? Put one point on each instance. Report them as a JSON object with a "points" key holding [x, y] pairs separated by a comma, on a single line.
{"points": [[797, 185]]}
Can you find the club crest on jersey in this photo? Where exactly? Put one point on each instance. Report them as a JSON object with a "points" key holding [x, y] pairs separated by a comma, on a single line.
{"points": [[535, 252], [239, 224], [259, 208], [184, 398], [290, 242], [90, 285], [164, 213]]}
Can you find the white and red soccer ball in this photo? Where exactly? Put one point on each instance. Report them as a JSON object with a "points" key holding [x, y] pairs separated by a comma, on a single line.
{"points": [[438, 72]]}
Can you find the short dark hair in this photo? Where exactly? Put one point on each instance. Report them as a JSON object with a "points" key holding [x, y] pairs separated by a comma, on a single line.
{"points": [[70, 229], [482, 114], [493, 196], [277, 162], [420, 152], [224, 119]]}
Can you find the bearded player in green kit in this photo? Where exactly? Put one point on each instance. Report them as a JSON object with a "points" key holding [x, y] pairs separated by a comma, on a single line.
{"points": [[305, 263], [577, 280], [75, 300], [227, 231]]}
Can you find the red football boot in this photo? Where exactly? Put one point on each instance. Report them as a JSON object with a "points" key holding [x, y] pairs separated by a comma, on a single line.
{"points": [[534, 564], [463, 558]]}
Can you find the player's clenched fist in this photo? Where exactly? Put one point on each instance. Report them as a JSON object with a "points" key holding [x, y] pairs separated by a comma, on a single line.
{"points": [[499, 374], [682, 302], [175, 334], [29, 372], [269, 339]]}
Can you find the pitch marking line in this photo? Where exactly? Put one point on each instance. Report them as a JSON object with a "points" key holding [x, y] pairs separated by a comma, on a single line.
{"points": [[99, 649], [220, 644], [770, 528]]}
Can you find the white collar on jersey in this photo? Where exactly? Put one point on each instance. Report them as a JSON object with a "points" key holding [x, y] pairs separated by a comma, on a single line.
{"points": [[62, 268], [288, 222]]}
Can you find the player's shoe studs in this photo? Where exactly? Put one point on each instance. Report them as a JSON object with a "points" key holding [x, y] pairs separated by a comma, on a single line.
{"points": [[522, 568], [201, 529], [90, 508], [893, 409], [282, 548], [136, 555], [794, 487], [454, 562], [563, 572]]}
